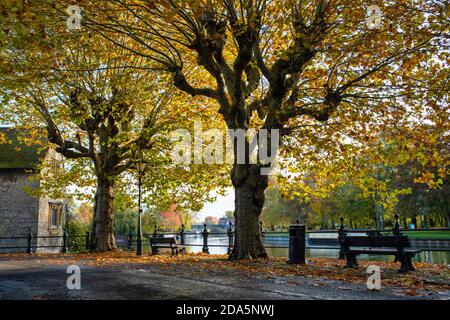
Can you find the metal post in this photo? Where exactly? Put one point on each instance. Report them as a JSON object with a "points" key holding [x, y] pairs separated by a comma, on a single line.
{"points": [[130, 240], [396, 229], [87, 240], [205, 248], [297, 245], [182, 235], [139, 227], [29, 239], [425, 217], [155, 250], [341, 237], [230, 239], [64, 246]]}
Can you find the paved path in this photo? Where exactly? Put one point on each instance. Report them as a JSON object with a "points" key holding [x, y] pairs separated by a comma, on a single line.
{"points": [[26, 280]]}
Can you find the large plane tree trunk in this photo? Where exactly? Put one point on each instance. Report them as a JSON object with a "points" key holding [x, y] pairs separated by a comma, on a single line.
{"points": [[249, 187], [103, 238]]}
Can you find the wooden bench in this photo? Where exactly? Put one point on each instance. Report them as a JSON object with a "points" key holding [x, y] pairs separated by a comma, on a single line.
{"points": [[163, 243], [396, 245]]}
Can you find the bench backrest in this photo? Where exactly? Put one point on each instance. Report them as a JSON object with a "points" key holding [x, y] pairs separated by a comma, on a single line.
{"points": [[377, 241], [162, 240]]}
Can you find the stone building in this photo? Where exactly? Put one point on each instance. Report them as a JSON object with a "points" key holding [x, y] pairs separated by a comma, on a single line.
{"points": [[21, 171]]}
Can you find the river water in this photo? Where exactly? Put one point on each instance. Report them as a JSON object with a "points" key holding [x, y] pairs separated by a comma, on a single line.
{"points": [[438, 257]]}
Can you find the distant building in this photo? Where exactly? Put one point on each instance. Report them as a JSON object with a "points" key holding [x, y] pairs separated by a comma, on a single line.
{"points": [[225, 221], [19, 211], [211, 220]]}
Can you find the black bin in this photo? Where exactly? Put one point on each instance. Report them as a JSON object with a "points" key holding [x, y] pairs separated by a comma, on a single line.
{"points": [[297, 246]]}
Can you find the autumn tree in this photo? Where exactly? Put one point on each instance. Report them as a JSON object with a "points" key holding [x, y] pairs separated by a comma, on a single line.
{"points": [[229, 214], [84, 213], [320, 71], [102, 107], [324, 73], [99, 115], [409, 178], [280, 211]]}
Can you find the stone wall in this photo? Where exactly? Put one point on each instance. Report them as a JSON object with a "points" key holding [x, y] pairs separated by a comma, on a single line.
{"points": [[44, 229], [19, 212]]}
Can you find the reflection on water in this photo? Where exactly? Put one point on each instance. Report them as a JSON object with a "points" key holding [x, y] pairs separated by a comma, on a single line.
{"points": [[439, 257]]}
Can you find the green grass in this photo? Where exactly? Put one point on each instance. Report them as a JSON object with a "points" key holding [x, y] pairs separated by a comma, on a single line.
{"points": [[428, 234]]}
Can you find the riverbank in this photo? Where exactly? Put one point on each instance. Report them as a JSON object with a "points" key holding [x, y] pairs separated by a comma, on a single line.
{"points": [[189, 276], [276, 248], [436, 234]]}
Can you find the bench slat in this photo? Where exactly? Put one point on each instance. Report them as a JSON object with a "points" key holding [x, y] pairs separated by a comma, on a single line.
{"points": [[371, 249], [377, 241], [164, 246], [382, 250], [162, 240]]}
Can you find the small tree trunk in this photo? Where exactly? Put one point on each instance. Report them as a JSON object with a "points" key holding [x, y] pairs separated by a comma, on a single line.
{"points": [[249, 200], [414, 221], [103, 238], [379, 217]]}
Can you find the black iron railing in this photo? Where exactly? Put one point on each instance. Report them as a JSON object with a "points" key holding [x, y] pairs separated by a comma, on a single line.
{"points": [[30, 243], [313, 243]]}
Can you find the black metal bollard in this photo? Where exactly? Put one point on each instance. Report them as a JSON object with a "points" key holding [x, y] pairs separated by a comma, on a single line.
{"points": [[29, 240], [182, 241], [397, 232], [130, 240], [64, 246], [297, 245], [230, 239], [341, 237], [87, 240], [205, 248], [396, 229]]}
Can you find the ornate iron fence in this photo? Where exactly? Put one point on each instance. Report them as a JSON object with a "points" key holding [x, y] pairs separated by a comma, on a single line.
{"points": [[29, 243]]}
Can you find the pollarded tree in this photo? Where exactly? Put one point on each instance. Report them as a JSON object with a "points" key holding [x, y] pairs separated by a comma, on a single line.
{"points": [[102, 108], [323, 72], [96, 111]]}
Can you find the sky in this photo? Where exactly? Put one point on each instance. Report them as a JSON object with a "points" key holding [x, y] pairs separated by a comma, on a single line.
{"points": [[218, 208]]}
